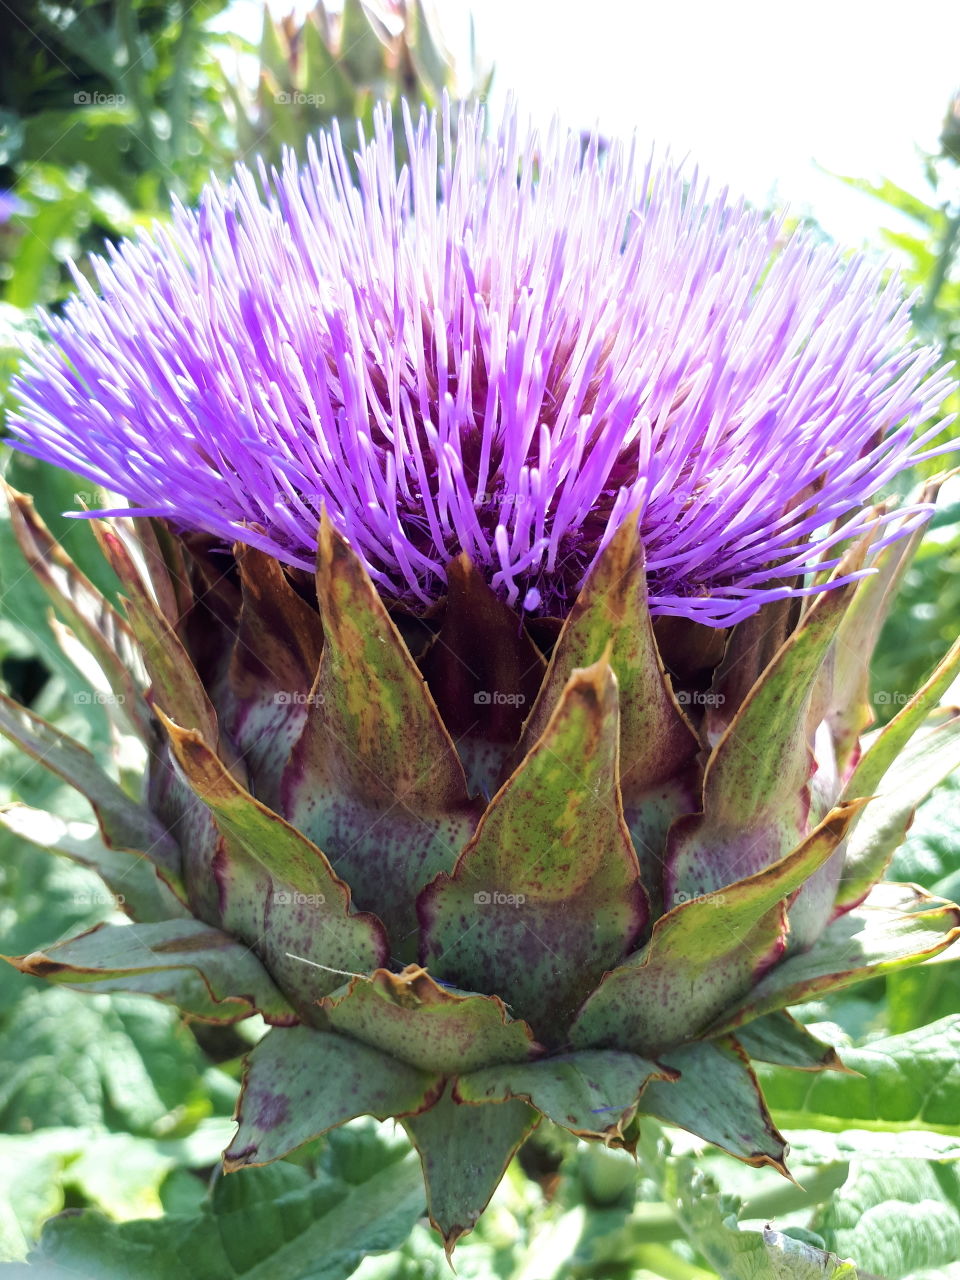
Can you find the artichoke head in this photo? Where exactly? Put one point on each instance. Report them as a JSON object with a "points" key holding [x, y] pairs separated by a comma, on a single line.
{"points": [[473, 870]]}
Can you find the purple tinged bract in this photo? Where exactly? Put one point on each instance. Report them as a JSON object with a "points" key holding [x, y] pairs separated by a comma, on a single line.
{"points": [[507, 349]]}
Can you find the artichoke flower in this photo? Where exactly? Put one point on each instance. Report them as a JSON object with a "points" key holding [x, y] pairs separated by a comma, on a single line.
{"points": [[501, 568]]}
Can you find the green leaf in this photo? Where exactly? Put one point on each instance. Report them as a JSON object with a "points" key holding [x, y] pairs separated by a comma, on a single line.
{"points": [[435, 1028], [176, 688], [261, 1224], [298, 1083], [29, 1191], [359, 48], [717, 1098], [301, 922], [131, 879], [822, 1147], [848, 710], [897, 925], [546, 896], [85, 609], [118, 1173], [777, 1038], [709, 1220], [895, 1217], [123, 823], [930, 855], [593, 1092], [899, 198], [465, 1150], [907, 1082], [323, 73], [703, 955], [111, 1061], [376, 783], [611, 618], [924, 762], [204, 972], [754, 805], [888, 745], [918, 996], [927, 759]]}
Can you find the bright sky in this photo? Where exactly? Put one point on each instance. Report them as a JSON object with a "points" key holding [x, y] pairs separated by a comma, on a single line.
{"points": [[758, 93]]}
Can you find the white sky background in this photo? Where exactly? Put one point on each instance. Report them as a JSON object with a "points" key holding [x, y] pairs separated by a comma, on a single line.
{"points": [[757, 93]]}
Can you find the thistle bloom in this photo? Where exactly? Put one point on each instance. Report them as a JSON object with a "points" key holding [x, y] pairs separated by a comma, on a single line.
{"points": [[508, 349], [472, 872]]}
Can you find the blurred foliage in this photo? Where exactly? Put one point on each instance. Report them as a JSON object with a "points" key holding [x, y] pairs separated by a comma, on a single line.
{"points": [[924, 624], [112, 1108], [340, 66]]}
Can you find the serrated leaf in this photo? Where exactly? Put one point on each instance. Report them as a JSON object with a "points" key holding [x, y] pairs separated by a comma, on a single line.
{"points": [[464, 1150], [298, 1083], [435, 1028], [132, 879], [716, 1097], [593, 1092], [84, 607], [123, 823]]}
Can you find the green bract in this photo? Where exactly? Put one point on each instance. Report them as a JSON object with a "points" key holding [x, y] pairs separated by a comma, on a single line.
{"points": [[475, 871]]}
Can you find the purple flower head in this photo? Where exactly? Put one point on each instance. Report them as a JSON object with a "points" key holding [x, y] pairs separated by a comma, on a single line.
{"points": [[508, 349]]}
